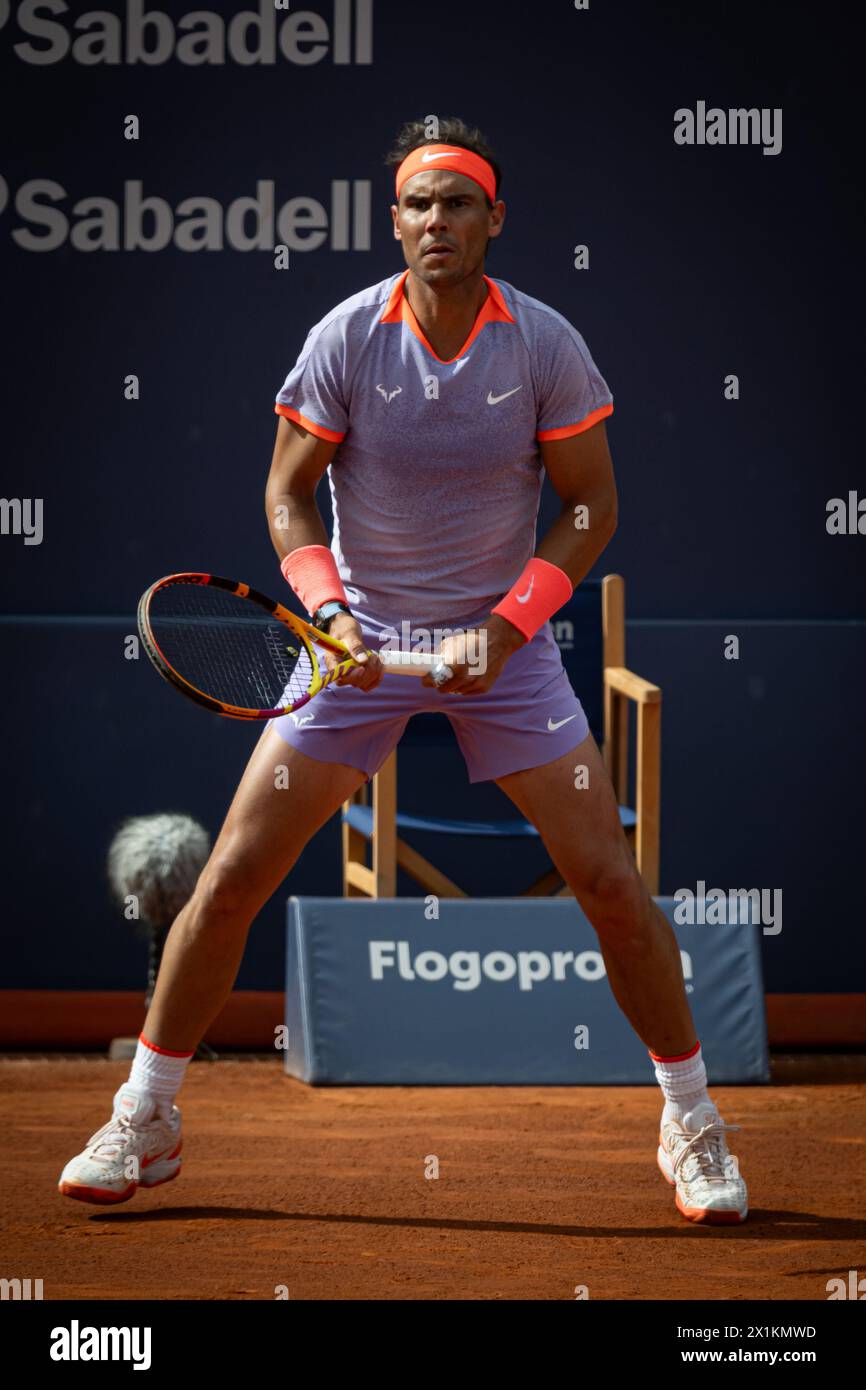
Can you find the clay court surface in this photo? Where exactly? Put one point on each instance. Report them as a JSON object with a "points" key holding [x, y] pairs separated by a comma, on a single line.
{"points": [[540, 1189]]}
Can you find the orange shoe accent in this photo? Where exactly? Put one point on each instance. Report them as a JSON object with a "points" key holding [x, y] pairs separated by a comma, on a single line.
{"points": [[700, 1215], [146, 1162], [709, 1217], [98, 1195], [159, 1182]]}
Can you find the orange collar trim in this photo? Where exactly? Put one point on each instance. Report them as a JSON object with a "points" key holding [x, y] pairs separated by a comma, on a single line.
{"points": [[399, 310]]}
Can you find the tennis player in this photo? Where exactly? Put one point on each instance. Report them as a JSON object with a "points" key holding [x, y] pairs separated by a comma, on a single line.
{"points": [[434, 400]]}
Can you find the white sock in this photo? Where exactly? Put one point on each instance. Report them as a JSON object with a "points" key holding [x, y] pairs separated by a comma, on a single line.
{"points": [[158, 1073], [683, 1081]]}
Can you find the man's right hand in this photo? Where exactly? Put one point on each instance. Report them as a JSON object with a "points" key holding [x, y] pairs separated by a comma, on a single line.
{"points": [[369, 673]]}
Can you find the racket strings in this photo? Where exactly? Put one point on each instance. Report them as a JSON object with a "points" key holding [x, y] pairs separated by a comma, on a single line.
{"points": [[229, 648]]}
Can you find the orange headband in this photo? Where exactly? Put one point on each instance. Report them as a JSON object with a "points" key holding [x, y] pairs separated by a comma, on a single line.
{"points": [[448, 157]]}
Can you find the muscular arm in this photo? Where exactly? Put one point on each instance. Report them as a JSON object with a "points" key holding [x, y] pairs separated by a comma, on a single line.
{"points": [[581, 472], [299, 461], [300, 458]]}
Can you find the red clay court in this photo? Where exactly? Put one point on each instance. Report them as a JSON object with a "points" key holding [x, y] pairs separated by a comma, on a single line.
{"points": [[540, 1190]]}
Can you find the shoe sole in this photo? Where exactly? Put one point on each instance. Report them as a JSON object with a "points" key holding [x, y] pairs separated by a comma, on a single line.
{"points": [[105, 1197], [703, 1216]]}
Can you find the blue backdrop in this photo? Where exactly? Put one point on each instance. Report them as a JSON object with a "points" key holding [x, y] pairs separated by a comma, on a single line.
{"points": [[704, 261]]}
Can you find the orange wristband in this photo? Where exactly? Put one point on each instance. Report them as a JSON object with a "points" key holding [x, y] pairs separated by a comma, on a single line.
{"points": [[540, 592], [311, 570]]}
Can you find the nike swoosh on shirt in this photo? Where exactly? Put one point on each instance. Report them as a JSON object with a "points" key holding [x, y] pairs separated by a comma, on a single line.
{"points": [[553, 726], [524, 598], [494, 400], [441, 154]]}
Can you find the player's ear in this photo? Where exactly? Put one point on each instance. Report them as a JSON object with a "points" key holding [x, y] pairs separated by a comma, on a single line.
{"points": [[497, 217]]}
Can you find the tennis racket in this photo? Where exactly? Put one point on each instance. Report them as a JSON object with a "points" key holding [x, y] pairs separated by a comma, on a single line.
{"points": [[239, 653]]}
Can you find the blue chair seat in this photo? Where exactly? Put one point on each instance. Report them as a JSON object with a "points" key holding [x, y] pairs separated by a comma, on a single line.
{"points": [[361, 818]]}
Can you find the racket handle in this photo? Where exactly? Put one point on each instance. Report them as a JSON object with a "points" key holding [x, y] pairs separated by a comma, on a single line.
{"points": [[397, 663]]}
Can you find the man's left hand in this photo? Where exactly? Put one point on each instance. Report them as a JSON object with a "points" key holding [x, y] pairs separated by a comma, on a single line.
{"points": [[477, 656]]}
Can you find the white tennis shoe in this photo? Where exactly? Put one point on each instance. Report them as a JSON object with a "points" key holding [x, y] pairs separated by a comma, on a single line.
{"points": [[693, 1156], [138, 1147]]}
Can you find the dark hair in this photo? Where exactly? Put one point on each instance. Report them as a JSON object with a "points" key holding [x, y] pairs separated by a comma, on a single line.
{"points": [[452, 131]]}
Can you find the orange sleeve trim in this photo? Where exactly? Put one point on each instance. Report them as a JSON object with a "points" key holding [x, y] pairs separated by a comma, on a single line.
{"points": [[319, 430], [568, 430]]}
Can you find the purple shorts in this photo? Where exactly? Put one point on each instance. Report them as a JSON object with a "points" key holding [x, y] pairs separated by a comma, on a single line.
{"points": [[530, 715]]}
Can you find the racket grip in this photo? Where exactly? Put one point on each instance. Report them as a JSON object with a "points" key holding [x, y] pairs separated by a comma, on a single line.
{"points": [[399, 663]]}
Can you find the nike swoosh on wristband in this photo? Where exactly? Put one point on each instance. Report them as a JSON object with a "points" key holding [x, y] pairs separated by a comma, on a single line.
{"points": [[524, 598], [552, 727], [494, 400], [440, 154]]}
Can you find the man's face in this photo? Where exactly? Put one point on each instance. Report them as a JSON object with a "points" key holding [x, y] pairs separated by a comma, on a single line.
{"points": [[442, 207]]}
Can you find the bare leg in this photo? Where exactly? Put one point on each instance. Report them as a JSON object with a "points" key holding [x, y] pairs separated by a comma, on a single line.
{"points": [[264, 833], [582, 833]]}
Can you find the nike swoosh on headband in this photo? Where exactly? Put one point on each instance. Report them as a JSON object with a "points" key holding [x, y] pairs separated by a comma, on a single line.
{"points": [[440, 154]]}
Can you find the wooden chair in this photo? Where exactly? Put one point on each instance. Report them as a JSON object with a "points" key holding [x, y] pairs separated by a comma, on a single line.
{"points": [[590, 631]]}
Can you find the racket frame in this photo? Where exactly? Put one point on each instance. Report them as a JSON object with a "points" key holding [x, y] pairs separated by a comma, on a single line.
{"points": [[399, 663], [297, 626]]}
